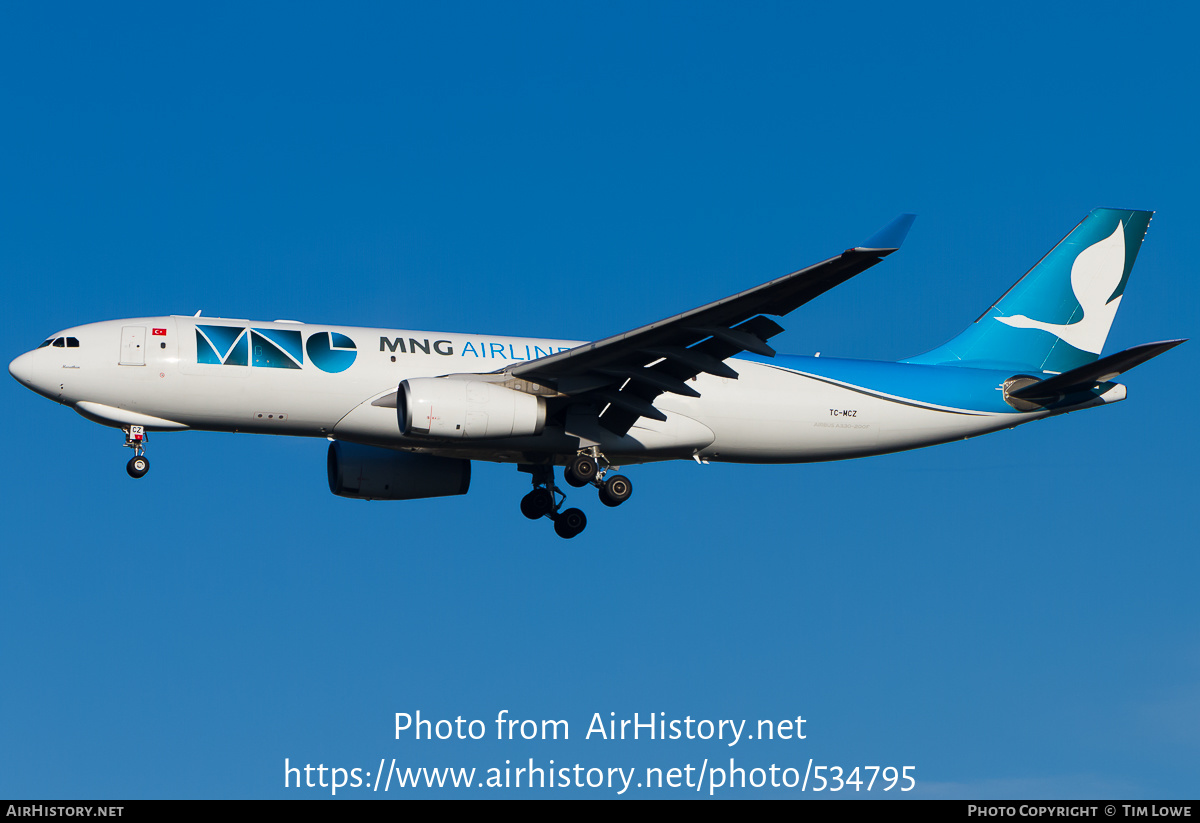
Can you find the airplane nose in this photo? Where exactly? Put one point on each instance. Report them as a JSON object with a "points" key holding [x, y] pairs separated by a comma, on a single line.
{"points": [[22, 368], [34, 371]]}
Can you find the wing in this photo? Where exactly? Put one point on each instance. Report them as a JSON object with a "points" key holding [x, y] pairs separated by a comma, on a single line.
{"points": [[625, 373]]}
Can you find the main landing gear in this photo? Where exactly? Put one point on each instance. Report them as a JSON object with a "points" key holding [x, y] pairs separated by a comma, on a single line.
{"points": [[546, 499], [139, 464], [585, 468]]}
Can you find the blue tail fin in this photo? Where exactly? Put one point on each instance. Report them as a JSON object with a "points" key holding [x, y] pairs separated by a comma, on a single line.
{"points": [[1057, 316]]}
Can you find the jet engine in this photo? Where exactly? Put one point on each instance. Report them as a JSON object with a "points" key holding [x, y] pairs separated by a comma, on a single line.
{"points": [[448, 408], [370, 473]]}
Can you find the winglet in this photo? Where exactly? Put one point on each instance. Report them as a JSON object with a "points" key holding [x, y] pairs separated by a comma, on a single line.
{"points": [[890, 236]]}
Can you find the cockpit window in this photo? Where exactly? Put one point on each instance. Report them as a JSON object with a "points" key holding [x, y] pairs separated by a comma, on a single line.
{"points": [[46, 343], [72, 342], [59, 342]]}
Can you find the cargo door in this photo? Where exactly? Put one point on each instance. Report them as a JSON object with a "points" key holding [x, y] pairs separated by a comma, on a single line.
{"points": [[133, 346]]}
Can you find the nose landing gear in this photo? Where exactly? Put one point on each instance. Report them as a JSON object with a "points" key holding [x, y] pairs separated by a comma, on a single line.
{"points": [[139, 464]]}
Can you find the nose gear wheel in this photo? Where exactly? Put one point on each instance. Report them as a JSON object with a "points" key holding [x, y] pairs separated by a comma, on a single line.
{"points": [[139, 464]]}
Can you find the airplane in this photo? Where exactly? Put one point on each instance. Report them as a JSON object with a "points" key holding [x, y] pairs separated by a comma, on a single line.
{"points": [[407, 411]]}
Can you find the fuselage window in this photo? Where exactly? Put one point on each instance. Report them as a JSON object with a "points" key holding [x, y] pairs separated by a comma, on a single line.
{"points": [[59, 342], [72, 342]]}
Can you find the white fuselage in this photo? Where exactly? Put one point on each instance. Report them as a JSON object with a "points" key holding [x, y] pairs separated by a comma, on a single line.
{"points": [[305, 380]]}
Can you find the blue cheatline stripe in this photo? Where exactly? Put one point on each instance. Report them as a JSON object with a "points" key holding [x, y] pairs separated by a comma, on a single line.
{"points": [[968, 391], [880, 396]]}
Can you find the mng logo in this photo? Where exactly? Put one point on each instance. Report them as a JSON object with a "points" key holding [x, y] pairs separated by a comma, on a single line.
{"points": [[331, 352], [272, 348]]}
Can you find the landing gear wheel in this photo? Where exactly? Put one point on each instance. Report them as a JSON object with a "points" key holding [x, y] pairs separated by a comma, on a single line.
{"points": [[137, 466], [538, 503], [570, 523], [616, 490], [582, 470]]}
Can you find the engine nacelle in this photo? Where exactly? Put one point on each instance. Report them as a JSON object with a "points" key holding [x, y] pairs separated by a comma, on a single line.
{"points": [[370, 473], [467, 409]]}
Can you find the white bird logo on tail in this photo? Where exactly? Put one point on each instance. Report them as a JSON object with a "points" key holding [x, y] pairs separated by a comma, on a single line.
{"points": [[1094, 277]]}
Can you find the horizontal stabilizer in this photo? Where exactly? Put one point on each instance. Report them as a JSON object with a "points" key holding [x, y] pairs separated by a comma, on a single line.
{"points": [[1101, 371]]}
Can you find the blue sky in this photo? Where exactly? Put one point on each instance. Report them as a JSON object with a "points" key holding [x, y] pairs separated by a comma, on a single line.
{"points": [[1015, 616]]}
